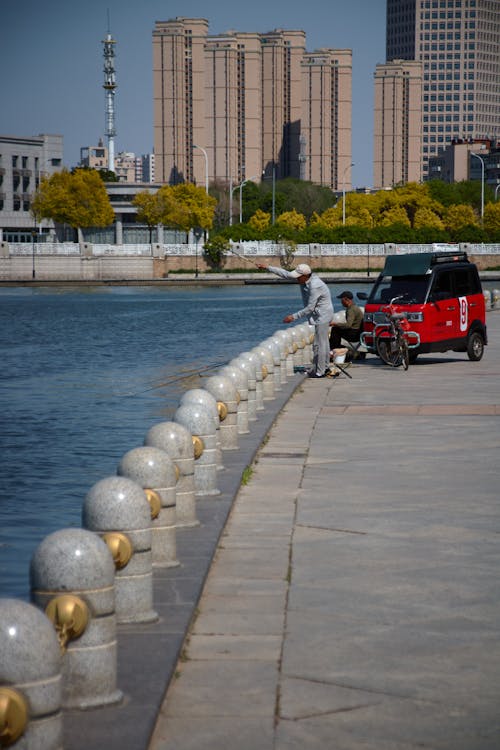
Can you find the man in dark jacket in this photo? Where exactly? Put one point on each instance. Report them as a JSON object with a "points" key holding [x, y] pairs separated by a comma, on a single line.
{"points": [[351, 329]]}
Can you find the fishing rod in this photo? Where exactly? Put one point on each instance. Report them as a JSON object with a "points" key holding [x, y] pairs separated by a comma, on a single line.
{"points": [[242, 257]]}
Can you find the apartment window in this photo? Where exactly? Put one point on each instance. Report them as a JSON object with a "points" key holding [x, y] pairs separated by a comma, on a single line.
{"points": [[14, 160]]}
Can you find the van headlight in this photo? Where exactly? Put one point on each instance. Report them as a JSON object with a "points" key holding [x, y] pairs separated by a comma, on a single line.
{"points": [[415, 317]]}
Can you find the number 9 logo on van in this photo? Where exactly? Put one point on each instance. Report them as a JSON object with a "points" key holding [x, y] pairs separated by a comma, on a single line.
{"points": [[464, 318]]}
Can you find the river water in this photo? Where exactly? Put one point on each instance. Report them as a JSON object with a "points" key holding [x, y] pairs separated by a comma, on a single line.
{"points": [[84, 373]]}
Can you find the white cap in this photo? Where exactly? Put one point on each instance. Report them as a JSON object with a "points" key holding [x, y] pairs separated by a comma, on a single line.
{"points": [[302, 270]]}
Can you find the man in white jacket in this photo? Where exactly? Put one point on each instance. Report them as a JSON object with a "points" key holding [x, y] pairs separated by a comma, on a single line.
{"points": [[318, 309]]}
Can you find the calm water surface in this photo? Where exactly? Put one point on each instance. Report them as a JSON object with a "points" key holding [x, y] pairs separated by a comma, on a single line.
{"points": [[83, 376]]}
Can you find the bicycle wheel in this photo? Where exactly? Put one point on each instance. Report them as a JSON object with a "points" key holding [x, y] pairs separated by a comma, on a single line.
{"points": [[389, 351]]}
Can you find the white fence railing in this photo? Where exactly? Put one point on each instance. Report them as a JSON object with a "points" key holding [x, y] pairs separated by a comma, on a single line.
{"points": [[250, 248]]}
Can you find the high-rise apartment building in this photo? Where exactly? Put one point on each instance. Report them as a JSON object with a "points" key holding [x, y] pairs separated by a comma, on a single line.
{"points": [[240, 105], [458, 44], [327, 117], [397, 134]]}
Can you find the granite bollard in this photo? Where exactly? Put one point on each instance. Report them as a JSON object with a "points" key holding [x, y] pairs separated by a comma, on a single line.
{"points": [[177, 441], [267, 364], [72, 574], [154, 471], [117, 509], [204, 398], [274, 346], [240, 381], [30, 678], [199, 421], [249, 368], [255, 359], [226, 395]]}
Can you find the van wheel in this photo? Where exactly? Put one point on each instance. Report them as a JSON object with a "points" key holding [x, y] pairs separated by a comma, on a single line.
{"points": [[475, 346]]}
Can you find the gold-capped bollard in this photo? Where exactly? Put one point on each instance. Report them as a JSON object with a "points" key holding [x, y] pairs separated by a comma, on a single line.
{"points": [[177, 442], [30, 678], [117, 506], [153, 469], [72, 580]]}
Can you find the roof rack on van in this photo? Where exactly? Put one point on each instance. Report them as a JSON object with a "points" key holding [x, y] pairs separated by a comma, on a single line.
{"points": [[447, 256]]}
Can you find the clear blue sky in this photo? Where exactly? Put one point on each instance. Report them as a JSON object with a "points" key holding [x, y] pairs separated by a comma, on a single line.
{"points": [[51, 62]]}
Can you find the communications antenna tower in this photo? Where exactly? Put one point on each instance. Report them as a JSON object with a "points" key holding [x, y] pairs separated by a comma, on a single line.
{"points": [[109, 86]]}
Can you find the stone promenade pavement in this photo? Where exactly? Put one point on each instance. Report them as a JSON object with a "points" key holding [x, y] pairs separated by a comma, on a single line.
{"points": [[354, 598]]}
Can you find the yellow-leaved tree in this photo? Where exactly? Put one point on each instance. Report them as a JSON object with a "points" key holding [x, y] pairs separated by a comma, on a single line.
{"points": [[459, 215], [78, 199], [260, 220], [291, 220], [491, 217], [148, 210], [186, 206]]}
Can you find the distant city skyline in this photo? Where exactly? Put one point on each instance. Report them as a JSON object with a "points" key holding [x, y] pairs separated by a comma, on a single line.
{"points": [[51, 71]]}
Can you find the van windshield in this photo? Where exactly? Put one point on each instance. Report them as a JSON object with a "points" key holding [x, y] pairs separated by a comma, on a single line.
{"points": [[412, 289]]}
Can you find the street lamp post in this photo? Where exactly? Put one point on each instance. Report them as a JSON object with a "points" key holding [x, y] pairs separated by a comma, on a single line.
{"points": [[496, 191], [197, 231], [248, 179], [482, 181], [206, 164], [33, 236], [343, 192]]}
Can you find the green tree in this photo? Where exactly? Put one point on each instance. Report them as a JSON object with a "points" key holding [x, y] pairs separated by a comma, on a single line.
{"points": [[78, 199]]}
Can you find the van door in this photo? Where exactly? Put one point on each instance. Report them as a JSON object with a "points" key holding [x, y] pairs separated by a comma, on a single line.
{"points": [[443, 314]]}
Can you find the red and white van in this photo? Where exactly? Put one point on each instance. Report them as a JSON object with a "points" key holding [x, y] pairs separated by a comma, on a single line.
{"points": [[442, 297]]}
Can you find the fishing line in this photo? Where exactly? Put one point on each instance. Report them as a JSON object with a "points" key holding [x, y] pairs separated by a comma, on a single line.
{"points": [[176, 378]]}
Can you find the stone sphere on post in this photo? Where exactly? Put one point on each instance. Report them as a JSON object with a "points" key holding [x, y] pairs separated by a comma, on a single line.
{"points": [[289, 347], [225, 393], [255, 360], [298, 344], [30, 677], [199, 421], [240, 382], [204, 398], [267, 365], [77, 562], [177, 441], [118, 505], [154, 471], [249, 368], [274, 346]]}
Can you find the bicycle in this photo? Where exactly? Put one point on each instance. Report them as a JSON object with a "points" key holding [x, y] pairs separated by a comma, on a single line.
{"points": [[392, 335]]}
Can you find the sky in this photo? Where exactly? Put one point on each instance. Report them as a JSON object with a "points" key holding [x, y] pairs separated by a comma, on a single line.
{"points": [[51, 64]]}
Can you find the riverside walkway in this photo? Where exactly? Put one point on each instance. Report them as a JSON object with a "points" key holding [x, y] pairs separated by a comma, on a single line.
{"points": [[353, 602], [354, 598]]}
